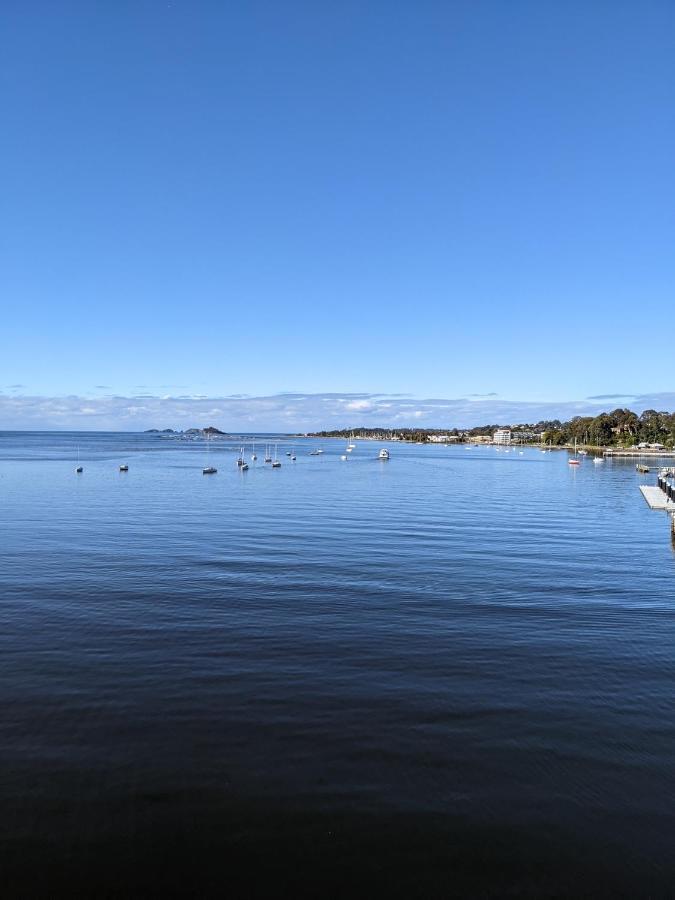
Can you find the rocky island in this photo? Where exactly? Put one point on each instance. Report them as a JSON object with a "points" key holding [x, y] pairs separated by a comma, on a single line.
{"points": [[211, 431]]}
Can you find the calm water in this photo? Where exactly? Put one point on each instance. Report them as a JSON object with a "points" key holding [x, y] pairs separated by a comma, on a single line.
{"points": [[451, 673]]}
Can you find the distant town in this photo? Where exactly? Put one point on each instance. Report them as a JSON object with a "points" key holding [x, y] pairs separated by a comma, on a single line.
{"points": [[621, 428]]}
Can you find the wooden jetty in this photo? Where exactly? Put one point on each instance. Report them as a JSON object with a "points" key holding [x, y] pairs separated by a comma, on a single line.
{"points": [[635, 453], [656, 498]]}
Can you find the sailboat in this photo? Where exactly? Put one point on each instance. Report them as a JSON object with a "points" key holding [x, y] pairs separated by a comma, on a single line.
{"points": [[268, 454], [79, 469], [208, 469], [574, 461], [293, 456], [277, 462], [253, 456], [243, 465], [240, 460]]}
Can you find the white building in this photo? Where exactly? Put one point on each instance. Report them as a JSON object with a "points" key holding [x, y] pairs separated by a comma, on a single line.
{"points": [[502, 436]]}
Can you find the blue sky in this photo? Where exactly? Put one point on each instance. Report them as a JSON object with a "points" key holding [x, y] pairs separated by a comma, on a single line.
{"points": [[433, 199]]}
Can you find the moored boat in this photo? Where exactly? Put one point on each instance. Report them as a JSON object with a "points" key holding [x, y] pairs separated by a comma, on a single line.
{"points": [[208, 469]]}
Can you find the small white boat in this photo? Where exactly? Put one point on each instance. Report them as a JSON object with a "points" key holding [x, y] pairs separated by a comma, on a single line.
{"points": [[383, 454], [124, 468], [268, 455], [344, 456], [208, 470], [277, 462], [598, 460], [253, 455]]}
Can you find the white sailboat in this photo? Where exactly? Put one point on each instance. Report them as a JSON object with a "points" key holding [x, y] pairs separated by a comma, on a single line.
{"points": [[208, 469], [253, 456], [574, 461], [277, 462]]}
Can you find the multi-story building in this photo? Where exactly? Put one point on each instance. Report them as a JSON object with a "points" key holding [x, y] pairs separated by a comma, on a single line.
{"points": [[502, 436]]}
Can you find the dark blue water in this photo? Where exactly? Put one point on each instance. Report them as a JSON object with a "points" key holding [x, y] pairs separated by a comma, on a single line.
{"points": [[447, 674]]}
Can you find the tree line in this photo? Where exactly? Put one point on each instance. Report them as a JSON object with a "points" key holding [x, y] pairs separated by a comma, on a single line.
{"points": [[621, 427]]}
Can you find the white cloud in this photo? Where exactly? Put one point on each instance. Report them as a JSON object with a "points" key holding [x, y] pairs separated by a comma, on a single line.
{"points": [[360, 405]]}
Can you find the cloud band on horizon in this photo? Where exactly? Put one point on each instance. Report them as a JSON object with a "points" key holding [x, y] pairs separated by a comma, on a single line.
{"points": [[296, 412]]}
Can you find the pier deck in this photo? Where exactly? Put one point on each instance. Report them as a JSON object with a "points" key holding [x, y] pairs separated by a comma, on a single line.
{"points": [[639, 454], [656, 498]]}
